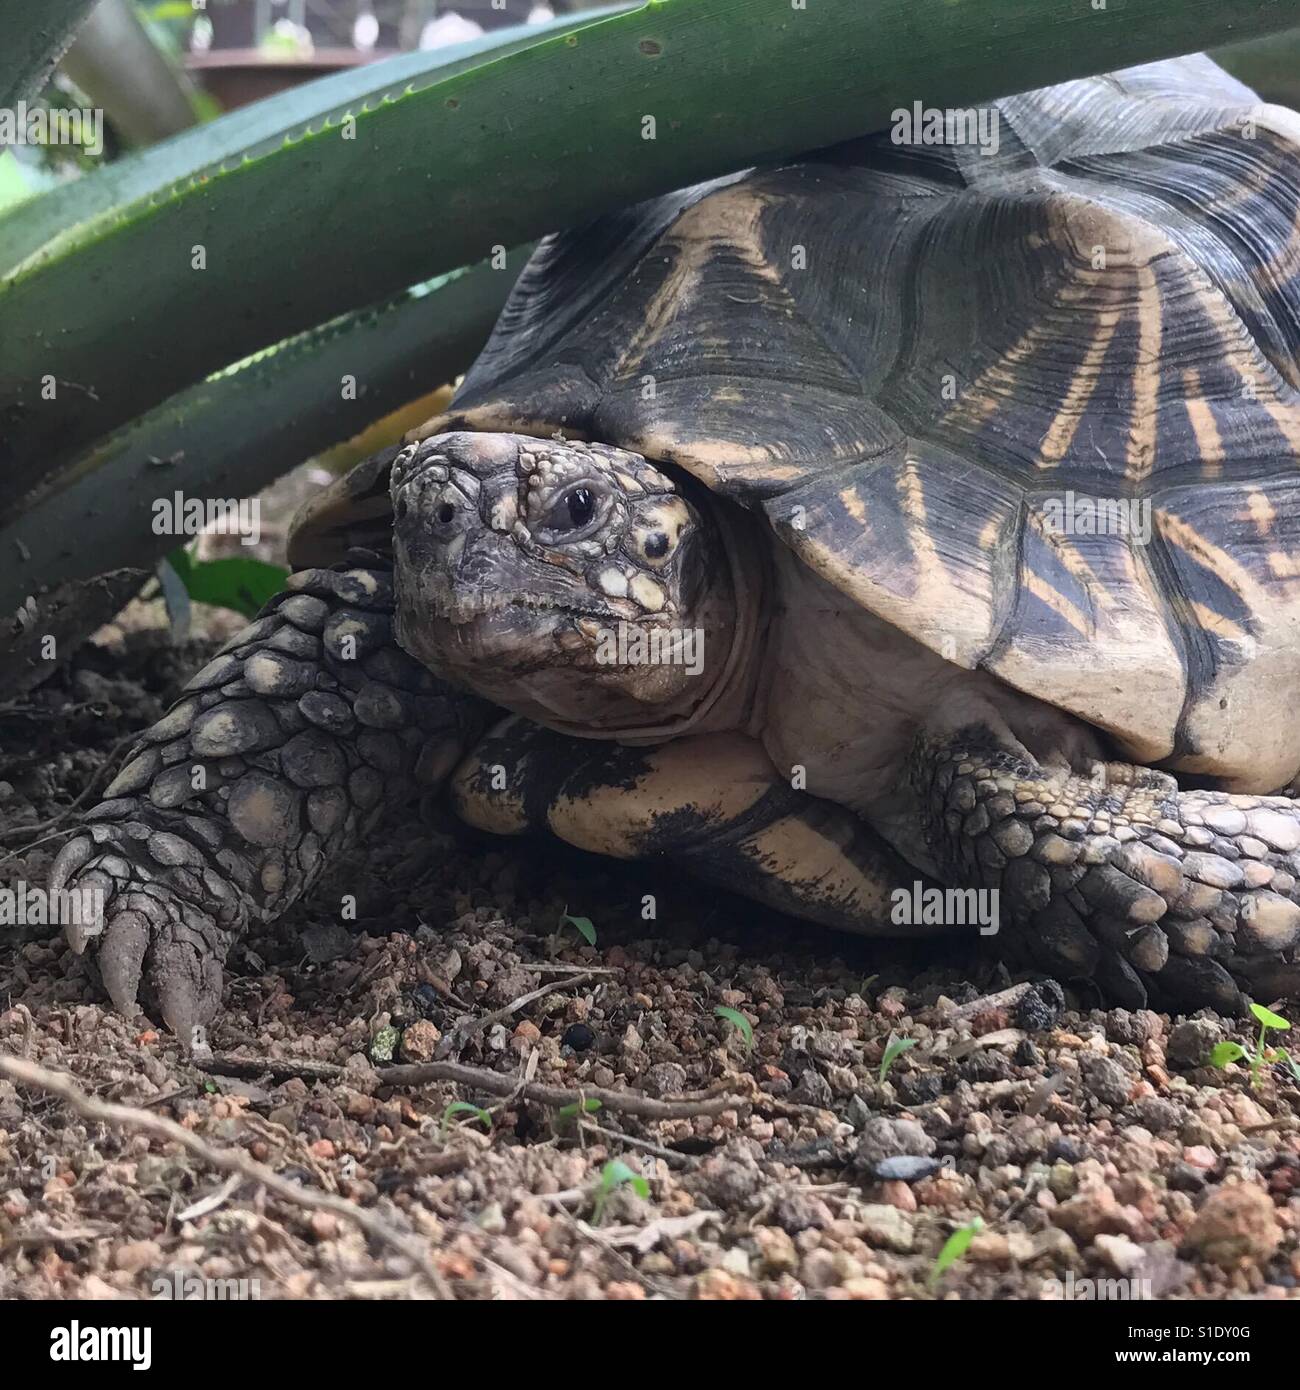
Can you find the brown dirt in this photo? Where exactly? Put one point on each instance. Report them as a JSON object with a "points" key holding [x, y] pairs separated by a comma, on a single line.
{"points": [[1091, 1145]]}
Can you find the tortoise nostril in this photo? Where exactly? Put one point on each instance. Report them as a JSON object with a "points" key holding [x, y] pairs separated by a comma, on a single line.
{"points": [[445, 513]]}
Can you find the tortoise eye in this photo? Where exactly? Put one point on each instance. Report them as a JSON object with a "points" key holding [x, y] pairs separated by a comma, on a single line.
{"points": [[581, 506], [573, 514]]}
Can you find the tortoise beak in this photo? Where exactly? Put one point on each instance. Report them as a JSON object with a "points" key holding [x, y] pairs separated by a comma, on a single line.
{"points": [[467, 594]]}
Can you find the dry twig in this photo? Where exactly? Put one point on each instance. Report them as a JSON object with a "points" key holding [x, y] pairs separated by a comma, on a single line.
{"points": [[28, 1073], [712, 1102], [464, 1031], [628, 1103]]}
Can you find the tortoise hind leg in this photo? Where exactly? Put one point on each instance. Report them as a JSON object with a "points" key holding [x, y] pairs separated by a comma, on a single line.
{"points": [[1118, 875], [282, 750], [712, 805]]}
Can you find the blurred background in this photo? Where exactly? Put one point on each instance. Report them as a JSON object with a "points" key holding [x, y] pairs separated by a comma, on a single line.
{"points": [[155, 67]]}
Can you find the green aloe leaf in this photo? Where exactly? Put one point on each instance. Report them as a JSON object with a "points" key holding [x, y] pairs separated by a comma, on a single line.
{"points": [[1270, 65], [35, 35], [231, 434], [122, 314], [250, 131]]}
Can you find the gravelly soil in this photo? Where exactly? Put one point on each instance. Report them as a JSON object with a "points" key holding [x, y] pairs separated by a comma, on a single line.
{"points": [[1091, 1144]]}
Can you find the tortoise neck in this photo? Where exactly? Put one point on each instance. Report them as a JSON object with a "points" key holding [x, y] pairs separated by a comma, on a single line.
{"points": [[737, 685], [727, 702]]}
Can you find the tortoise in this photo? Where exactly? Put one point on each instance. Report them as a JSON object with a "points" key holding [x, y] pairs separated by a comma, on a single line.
{"points": [[912, 518]]}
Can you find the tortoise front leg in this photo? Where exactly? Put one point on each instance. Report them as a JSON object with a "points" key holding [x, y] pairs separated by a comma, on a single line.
{"points": [[712, 805], [282, 750], [1118, 875]]}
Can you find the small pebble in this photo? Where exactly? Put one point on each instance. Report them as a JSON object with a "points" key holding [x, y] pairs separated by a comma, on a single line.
{"points": [[905, 1168]]}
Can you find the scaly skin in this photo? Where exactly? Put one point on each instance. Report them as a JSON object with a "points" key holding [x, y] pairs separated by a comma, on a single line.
{"points": [[1120, 876], [281, 751]]}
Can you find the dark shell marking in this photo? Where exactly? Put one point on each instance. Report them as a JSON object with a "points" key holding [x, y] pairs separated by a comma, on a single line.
{"points": [[1106, 313]]}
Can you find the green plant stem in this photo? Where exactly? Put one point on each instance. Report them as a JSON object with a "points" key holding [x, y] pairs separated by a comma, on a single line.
{"points": [[229, 436], [36, 34], [115, 62]]}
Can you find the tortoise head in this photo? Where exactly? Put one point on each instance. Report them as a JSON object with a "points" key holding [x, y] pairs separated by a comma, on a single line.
{"points": [[570, 582]]}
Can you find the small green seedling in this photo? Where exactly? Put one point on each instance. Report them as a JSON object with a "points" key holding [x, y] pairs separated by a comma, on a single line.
{"points": [[1228, 1051], [612, 1176], [582, 925], [954, 1248], [461, 1107], [739, 1022], [894, 1049], [570, 1112]]}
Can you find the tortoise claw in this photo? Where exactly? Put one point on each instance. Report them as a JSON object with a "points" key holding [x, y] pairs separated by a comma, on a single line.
{"points": [[193, 842], [121, 959], [148, 939], [1120, 983], [186, 976]]}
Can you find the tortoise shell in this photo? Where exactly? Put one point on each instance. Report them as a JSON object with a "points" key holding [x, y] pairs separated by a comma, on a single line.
{"points": [[1039, 408]]}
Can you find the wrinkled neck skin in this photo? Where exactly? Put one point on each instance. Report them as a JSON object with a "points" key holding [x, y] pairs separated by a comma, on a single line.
{"points": [[733, 642], [728, 620]]}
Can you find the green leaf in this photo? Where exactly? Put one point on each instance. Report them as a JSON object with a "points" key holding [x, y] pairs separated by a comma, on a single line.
{"points": [[232, 434], [151, 175], [954, 1248], [508, 148], [582, 925], [462, 1107], [1268, 1018], [1271, 66], [894, 1049], [36, 33], [570, 1112], [738, 1021], [1226, 1052], [244, 585], [615, 1173]]}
